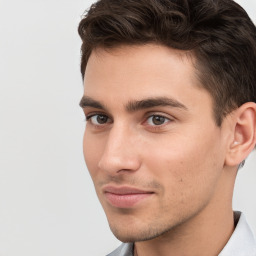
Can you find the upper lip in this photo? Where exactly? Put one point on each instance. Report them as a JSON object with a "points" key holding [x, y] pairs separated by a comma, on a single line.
{"points": [[124, 190]]}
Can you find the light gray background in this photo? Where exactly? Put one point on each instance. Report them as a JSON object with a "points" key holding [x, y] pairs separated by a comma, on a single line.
{"points": [[47, 202]]}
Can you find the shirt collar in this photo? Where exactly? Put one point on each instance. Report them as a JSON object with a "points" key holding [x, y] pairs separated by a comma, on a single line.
{"points": [[242, 242]]}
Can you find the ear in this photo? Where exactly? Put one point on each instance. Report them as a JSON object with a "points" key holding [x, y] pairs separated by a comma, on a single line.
{"points": [[243, 134]]}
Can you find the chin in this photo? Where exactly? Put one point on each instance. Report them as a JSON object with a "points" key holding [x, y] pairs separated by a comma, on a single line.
{"points": [[137, 233]]}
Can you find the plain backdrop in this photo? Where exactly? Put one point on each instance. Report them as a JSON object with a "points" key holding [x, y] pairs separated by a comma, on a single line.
{"points": [[48, 206]]}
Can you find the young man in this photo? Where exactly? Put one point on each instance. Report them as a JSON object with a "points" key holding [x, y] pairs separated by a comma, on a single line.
{"points": [[169, 98]]}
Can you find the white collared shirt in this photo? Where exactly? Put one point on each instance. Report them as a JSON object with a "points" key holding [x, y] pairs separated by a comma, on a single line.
{"points": [[241, 243]]}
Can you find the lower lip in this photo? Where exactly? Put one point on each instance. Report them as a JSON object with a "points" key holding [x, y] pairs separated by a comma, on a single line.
{"points": [[127, 200]]}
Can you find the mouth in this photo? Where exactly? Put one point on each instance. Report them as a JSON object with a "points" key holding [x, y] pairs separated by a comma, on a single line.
{"points": [[125, 197]]}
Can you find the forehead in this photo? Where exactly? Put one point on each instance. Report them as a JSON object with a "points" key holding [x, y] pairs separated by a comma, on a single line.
{"points": [[149, 56], [136, 72]]}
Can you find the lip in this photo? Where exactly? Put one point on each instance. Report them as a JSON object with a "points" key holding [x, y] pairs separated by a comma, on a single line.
{"points": [[125, 197]]}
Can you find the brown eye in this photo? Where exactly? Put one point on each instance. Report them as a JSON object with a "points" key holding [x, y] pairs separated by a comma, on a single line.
{"points": [[98, 119], [101, 119], [157, 120]]}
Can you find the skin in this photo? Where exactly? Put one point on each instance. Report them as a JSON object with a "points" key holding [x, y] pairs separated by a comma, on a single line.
{"points": [[181, 160]]}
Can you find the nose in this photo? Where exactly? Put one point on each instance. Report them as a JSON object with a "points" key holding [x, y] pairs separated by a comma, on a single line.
{"points": [[120, 153]]}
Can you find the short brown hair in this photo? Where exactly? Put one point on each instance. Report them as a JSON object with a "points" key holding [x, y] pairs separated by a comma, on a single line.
{"points": [[219, 33]]}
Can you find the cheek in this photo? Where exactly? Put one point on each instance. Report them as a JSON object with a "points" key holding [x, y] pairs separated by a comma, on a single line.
{"points": [[185, 164], [92, 153]]}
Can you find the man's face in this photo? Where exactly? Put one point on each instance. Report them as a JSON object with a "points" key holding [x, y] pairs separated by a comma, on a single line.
{"points": [[151, 144]]}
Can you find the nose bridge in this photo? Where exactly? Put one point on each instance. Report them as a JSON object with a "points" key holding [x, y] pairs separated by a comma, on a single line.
{"points": [[119, 153]]}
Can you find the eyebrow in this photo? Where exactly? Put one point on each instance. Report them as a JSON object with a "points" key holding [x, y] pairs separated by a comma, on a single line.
{"points": [[133, 106], [89, 102], [136, 105]]}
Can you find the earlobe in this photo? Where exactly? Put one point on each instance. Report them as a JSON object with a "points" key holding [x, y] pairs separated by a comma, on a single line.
{"points": [[244, 134]]}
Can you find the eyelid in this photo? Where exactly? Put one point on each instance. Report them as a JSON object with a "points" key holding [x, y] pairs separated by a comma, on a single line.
{"points": [[93, 113], [89, 116], [167, 116]]}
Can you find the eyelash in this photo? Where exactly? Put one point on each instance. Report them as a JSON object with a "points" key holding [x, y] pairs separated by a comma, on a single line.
{"points": [[152, 127]]}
